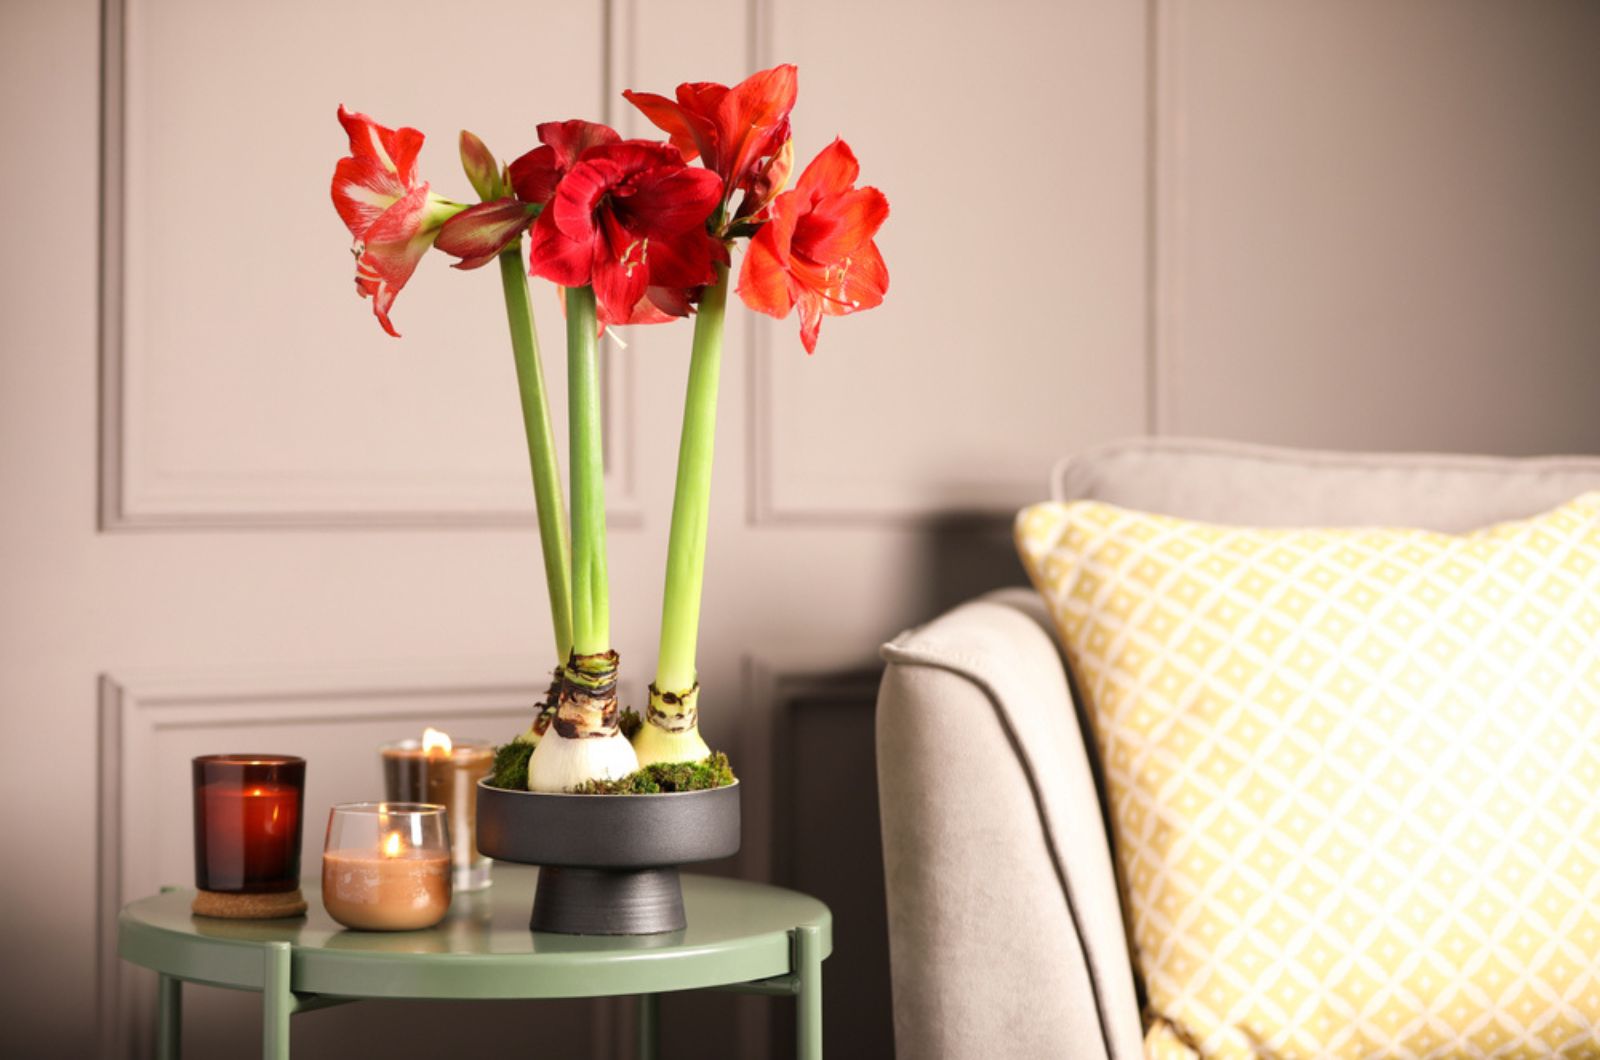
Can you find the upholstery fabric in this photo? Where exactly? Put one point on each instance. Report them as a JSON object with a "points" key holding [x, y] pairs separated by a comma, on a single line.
{"points": [[995, 949], [1354, 773]]}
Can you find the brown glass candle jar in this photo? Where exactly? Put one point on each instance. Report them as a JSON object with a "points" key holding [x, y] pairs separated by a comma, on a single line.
{"points": [[247, 817], [438, 770]]}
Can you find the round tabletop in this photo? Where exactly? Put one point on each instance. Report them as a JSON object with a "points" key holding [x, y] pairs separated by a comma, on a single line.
{"points": [[738, 933]]}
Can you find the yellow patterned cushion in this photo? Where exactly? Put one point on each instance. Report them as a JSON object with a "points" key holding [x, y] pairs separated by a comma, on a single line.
{"points": [[1354, 775]]}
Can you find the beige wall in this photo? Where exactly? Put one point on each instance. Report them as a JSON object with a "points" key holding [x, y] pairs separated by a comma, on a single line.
{"points": [[239, 515]]}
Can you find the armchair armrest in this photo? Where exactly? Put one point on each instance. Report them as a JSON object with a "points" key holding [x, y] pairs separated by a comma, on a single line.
{"points": [[1005, 929]]}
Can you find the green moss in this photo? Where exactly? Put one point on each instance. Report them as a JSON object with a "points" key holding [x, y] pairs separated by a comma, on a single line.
{"points": [[511, 765], [511, 772], [714, 772], [628, 722]]}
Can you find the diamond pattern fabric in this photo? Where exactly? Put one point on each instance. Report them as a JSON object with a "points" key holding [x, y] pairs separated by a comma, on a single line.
{"points": [[1354, 776]]}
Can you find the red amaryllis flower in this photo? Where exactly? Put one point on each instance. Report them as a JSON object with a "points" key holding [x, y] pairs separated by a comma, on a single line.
{"points": [[817, 251], [628, 216], [536, 175], [392, 215], [741, 133], [480, 232]]}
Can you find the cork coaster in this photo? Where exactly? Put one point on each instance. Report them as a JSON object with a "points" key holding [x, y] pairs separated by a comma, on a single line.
{"points": [[249, 906]]}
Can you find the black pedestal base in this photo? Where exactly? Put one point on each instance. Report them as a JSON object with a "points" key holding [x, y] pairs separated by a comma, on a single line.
{"points": [[608, 901]]}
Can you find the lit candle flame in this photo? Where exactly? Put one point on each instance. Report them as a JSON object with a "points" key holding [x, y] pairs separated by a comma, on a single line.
{"points": [[391, 845], [434, 740]]}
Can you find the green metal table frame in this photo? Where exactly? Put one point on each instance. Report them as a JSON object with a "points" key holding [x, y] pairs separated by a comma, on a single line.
{"points": [[742, 937]]}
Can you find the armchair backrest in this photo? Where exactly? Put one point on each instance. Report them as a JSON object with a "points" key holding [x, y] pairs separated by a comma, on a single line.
{"points": [[1230, 482]]}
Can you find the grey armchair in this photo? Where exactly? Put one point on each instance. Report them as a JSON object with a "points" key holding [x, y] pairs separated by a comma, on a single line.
{"points": [[1006, 933]]}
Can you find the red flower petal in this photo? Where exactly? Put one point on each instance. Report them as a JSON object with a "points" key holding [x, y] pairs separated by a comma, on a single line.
{"points": [[849, 285], [557, 257], [633, 156], [672, 199], [478, 233], [673, 303], [867, 281], [684, 260], [701, 97], [362, 190], [570, 139], [832, 172], [838, 224], [764, 283], [578, 196], [392, 149], [388, 253], [810, 321], [699, 101], [667, 116], [754, 121], [536, 174], [621, 267], [660, 305], [768, 181]]}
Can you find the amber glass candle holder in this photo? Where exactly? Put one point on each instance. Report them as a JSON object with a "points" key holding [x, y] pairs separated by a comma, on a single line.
{"points": [[247, 822], [386, 865], [247, 828], [438, 770]]}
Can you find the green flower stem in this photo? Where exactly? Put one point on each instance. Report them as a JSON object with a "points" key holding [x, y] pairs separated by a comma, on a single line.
{"points": [[541, 448], [591, 608], [691, 501]]}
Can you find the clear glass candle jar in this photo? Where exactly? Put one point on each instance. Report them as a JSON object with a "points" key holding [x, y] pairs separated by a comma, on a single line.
{"points": [[386, 865], [247, 823]]}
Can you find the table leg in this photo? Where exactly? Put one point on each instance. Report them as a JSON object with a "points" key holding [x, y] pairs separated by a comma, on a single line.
{"points": [[169, 1018], [649, 1024], [277, 1002], [808, 999]]}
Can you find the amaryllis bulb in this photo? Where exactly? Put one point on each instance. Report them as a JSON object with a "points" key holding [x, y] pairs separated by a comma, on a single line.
{"points": [[561, 763], [671, 731], [583, 742], [654, 744]]}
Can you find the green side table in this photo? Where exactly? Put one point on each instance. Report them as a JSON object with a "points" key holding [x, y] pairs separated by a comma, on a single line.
{"points": [[743, 937]]}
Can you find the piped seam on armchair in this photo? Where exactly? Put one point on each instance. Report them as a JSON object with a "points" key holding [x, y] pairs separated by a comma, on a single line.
{"points": [[966, 667]]}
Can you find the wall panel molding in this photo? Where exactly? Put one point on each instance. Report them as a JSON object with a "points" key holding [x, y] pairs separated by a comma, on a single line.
{"points": [[773, 680], [138, 712], [766, 502], [1164, 219], [136, 495]]}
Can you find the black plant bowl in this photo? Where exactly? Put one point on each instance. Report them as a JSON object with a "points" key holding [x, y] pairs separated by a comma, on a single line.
{"points": [[608, 864]]}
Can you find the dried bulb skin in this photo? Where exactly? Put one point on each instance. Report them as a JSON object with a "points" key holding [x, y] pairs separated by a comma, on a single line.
{"points": [[671, 732], [583, 742], [544, 712]]}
